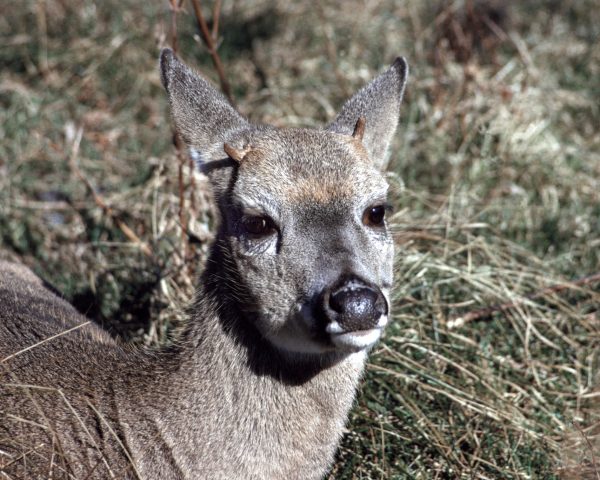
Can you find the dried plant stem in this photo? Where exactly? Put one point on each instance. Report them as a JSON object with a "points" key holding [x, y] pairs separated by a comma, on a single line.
{"points": [[216, 16], [128, 232], [175, 9], [181, 186], [192, 186], [209, 41], [459, 320], [179, 146], [42, 25], [45, 340], [590, 448]]}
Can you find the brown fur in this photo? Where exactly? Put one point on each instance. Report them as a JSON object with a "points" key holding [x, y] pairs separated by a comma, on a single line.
{"points": [[255, 388]]}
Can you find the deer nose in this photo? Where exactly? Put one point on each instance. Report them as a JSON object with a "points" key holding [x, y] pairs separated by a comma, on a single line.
{"points": [[355, 305]]}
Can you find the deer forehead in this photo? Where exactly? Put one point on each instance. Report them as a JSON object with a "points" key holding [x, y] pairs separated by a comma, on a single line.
{"points": [[307, 167]]}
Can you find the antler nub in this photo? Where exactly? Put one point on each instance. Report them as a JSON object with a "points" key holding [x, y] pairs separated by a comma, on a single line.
{"points": [[235, 153], [359, 128]]}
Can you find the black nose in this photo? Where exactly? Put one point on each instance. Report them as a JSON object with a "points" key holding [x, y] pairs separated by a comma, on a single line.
{"points": [[355, 305]]}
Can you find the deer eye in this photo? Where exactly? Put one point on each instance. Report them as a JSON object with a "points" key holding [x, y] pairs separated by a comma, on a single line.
{"points": [[257, 226], [375, 216]]}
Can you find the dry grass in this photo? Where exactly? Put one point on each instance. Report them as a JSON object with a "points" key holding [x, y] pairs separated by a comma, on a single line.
{"points": [[496, 175]]}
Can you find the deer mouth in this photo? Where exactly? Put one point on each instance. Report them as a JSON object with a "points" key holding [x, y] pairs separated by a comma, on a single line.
{"points": [[355, 340], [348, 318]]}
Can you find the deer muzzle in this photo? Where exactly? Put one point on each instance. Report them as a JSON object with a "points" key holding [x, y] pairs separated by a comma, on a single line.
{"points": [[354, 313]]}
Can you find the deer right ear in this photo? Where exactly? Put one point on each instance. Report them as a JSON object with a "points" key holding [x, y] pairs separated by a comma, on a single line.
{"points": [[371, 115], [202, 115]]}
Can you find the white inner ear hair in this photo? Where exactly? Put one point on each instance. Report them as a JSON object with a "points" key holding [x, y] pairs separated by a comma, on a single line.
{"points": [[198, 158]]}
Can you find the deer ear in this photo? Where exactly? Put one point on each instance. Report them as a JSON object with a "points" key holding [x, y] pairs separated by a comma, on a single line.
{"points": [[202, 115], [372, 113]]}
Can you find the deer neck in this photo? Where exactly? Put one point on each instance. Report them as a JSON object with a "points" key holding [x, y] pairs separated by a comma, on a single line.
{"points": [[228, 375]]}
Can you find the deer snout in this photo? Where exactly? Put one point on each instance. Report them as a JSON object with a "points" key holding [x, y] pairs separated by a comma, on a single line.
{"points": [[357, 307], [355, 313]]}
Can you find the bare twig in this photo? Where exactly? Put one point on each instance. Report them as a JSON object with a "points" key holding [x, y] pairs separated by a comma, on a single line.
{"points": [[591, 450], [42, 25], [210, 44], [180, 183], [193, 202], [459, 320], [128, 232], [179, 147], [175, 9], [216, 16]]}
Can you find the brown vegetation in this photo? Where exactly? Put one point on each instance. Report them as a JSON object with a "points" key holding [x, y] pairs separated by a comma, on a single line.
{"points": [[496, 170]]}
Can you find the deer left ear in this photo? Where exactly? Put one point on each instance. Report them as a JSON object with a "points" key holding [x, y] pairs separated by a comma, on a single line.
{"points": [[371, 115], [202, 115]]}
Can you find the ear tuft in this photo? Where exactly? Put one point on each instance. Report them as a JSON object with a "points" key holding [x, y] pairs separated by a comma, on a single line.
{"points": [[401, 66], [167, 56], [359, 129]]}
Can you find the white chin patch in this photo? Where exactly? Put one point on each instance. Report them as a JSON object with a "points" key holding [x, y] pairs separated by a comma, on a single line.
{"points": [[334, 327], [383, 321], [356, 341], [294, 339]]}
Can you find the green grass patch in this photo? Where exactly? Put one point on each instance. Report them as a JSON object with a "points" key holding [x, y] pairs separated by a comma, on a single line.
{"points": [[496, 178]]}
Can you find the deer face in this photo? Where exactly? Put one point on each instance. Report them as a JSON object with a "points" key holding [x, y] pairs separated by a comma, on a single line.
{"points": [[304, 226], [308, 254]]}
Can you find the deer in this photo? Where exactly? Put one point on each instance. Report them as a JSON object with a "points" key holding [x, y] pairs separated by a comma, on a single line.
{"points": [[294, 295]]}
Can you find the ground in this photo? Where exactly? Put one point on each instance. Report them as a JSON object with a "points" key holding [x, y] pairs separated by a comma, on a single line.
{"points": [[488, 369]]}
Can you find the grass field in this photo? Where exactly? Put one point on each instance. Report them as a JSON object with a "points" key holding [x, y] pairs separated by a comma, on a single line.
{"points": [[488, 369]]}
